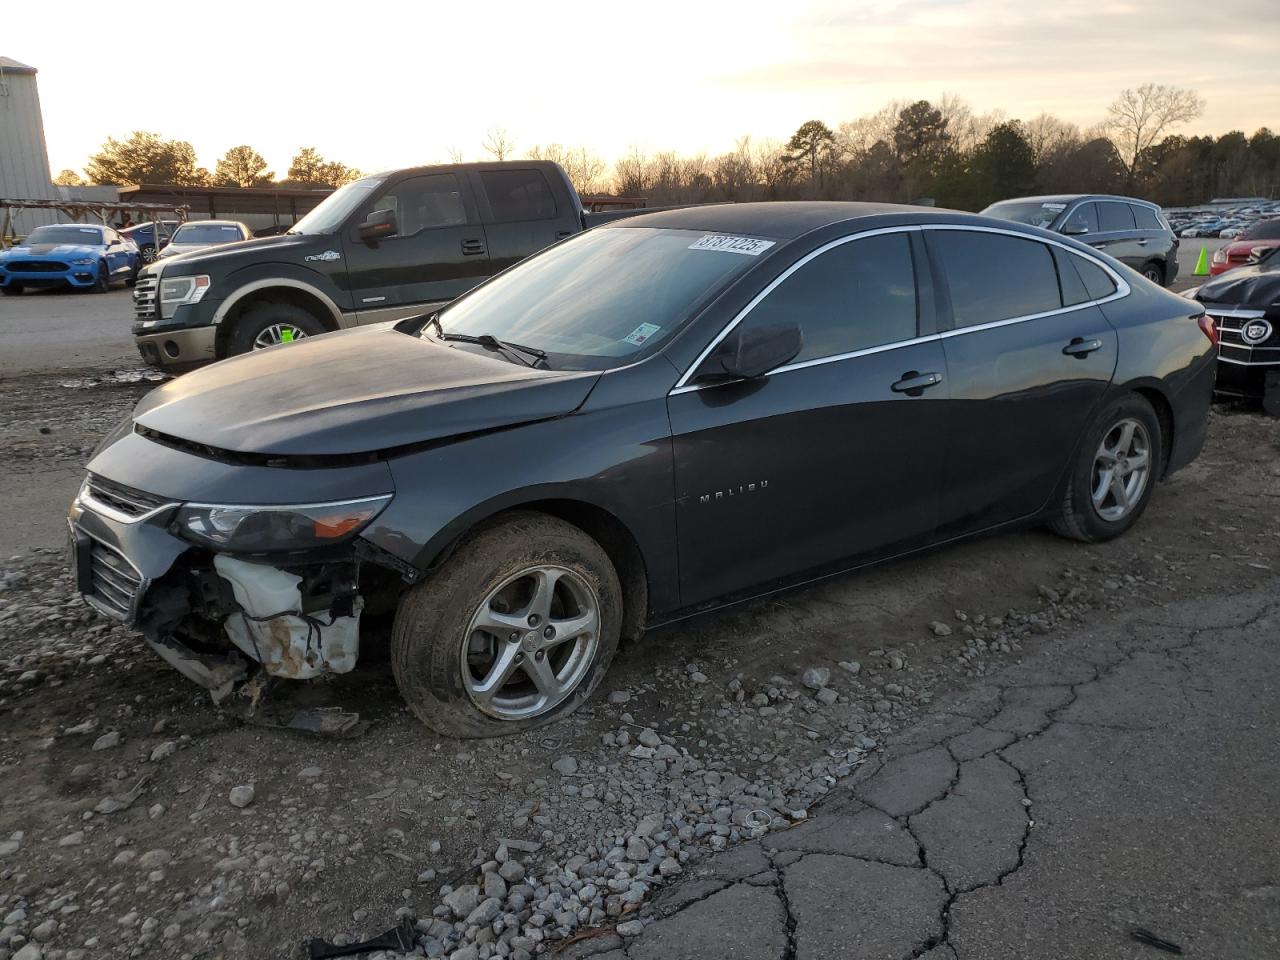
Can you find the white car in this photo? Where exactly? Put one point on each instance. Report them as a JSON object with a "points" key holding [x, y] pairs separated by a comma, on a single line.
{"points": [[202, 234]]}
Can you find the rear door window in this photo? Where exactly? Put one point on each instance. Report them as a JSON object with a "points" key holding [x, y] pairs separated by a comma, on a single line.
{"points": [[1115, 217], [518, 195], [1145, 217], [993, 276], [858, 295]]}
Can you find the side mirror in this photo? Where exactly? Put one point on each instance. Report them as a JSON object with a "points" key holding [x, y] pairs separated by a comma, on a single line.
{"points": [[1075, 229], [751, 353], [378, 226]]}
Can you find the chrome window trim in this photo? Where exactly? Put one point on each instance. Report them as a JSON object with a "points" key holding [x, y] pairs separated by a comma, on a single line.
{"points": [[1122, 290]]}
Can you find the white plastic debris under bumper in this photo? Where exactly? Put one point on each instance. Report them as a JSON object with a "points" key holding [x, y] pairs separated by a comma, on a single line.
{"points": [[288, 645]]}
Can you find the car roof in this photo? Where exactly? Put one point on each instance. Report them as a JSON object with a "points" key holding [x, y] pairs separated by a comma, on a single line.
{"points": [[785, 220], [212, 223], [1069, 197]]}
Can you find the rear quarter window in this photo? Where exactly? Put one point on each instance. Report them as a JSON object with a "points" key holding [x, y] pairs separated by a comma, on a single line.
{"points": [[1096, 280], [993, 277], [1145, 218]]}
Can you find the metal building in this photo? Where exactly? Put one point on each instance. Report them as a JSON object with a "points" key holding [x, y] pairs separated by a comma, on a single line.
{"points": [[24, 159]]}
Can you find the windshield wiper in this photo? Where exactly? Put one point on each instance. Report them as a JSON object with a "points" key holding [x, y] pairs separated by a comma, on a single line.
{"points": [[529, 356]]}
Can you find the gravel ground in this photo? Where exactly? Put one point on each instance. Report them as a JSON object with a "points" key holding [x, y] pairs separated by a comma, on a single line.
{"points": [[139, 820]]}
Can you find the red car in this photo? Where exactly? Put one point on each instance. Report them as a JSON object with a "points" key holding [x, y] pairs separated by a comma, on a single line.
{"points": [[1263, 235]]}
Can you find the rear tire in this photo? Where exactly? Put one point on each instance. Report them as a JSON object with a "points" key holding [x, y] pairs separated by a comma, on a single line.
{"points": [[1119, 460], [266, 324], [444, 656], [1154, 271]]}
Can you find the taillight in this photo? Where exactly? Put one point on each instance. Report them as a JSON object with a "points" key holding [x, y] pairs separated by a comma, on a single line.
{"points": [[1208, 327], [1220, 255]]}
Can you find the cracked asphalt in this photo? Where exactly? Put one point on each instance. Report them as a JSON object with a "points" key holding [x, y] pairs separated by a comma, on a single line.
{"points": [[1121, 778]]}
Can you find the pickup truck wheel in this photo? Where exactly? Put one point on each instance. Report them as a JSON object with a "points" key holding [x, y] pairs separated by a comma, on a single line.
{"points": [[1114, 474], [268, 324], [514, 631], [103, 282]]}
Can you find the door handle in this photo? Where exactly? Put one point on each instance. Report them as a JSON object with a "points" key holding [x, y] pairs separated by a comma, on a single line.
{"points": [[561, 234], [1143, 242], [1080, 347], [914, 383], [471, 248], [1099, 246]]}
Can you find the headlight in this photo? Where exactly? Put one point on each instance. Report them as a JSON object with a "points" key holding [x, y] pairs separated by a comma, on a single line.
{"points": [[271, 529], [84, 261], [179, 290]]}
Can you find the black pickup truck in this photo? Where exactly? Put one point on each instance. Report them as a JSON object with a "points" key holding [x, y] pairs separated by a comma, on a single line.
{"points": [[381, 248]]}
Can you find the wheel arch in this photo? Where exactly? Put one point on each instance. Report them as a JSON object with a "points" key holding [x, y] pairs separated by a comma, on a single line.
{"points": [[597, 522], [1153, 392], [274, 290]]}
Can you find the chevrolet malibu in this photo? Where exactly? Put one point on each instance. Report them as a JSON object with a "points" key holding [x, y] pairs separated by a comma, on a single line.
{"points": [[649, 420]]}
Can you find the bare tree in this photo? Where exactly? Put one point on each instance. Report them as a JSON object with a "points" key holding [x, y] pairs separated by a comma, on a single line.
{"points": [[498, 143], [583, 166], [1138, 118], [455, 155], [1047, 134], [632, 173]]}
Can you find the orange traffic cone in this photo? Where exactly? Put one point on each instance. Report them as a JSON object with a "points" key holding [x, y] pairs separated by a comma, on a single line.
{"points": [[1202, 264]]}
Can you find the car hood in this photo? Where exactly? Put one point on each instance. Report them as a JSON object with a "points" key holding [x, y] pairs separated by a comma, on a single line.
{"points": [[284, 245], [59, 250], [1257, 287], [371, 389]]}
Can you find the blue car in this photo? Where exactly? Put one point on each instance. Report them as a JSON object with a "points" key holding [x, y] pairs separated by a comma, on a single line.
{"points": [[79, 255]]}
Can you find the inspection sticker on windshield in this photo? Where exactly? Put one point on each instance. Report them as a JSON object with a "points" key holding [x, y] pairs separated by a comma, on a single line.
{"points": [[744, 245], [642, 333]]}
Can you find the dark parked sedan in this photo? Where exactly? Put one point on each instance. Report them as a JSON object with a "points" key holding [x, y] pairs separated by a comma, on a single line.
{"points": [[649, 420]]}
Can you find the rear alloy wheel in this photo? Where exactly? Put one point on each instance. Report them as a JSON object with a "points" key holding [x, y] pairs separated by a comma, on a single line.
{"points": [[1155, 273], [148, 254], [1114, 474], [268, 324], [102, 283], [516, 630]]}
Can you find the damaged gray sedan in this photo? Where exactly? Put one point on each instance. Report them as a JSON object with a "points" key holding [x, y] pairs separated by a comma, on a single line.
{"points": [[654, 418]]}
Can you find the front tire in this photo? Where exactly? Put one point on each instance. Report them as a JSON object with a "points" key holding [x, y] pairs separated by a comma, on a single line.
{"points": [[267, 324], [148, 254], [515, 631], [1116, 468], [102, 284]]}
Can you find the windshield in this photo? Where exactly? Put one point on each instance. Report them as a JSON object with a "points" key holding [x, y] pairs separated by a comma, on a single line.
{"points": [[1036, 213], [207, 233], [1266, 230], [595, 300], [65, 235], [336, 207]]}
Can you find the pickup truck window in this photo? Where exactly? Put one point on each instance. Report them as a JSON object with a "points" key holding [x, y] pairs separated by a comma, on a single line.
{"points": [[596, 299], [421, 203], [518, 195], [335, 208]]}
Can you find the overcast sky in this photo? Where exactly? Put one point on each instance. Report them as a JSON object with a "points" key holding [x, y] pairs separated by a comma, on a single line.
{"points": [[379, 85]]}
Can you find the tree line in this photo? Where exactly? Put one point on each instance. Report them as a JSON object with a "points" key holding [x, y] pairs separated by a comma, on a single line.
{"points": [[921, 151], [146, 157]]}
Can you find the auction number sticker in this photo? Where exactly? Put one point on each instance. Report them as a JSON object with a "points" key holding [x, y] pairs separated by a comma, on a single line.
{"points": [[747, 246], [642, 333]]}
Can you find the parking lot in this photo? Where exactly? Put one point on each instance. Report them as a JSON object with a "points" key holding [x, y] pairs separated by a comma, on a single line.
{"points": [[119, 827]]}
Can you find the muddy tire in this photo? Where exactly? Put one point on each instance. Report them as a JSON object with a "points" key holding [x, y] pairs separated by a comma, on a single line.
{"points": [[1116, 468], [514, 631], [267, 324]]}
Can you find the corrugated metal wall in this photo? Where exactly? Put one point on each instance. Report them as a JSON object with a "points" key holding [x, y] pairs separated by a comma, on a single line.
{"points": [[24, 160]]}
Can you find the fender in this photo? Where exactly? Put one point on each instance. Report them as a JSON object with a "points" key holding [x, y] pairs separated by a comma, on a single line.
{"points": [[270, 275]]}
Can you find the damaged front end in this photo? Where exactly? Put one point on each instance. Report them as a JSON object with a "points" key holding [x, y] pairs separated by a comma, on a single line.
{"points": [[231, 593]]}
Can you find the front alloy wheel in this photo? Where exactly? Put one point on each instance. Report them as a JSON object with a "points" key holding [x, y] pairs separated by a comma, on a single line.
{"points": [[514, 630], [278, 333], [530, 642]]}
